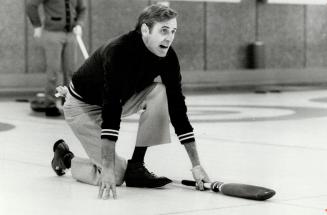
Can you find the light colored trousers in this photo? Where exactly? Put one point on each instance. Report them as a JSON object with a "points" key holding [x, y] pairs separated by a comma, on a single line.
{"points": [[85, 121], [60, 50]]}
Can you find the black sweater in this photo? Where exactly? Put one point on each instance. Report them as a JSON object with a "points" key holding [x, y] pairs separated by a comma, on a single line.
{"points": [[123, 67]]}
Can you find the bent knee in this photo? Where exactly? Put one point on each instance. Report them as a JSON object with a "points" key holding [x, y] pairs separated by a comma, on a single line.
{"points": [[159, 92], [160, 88]]}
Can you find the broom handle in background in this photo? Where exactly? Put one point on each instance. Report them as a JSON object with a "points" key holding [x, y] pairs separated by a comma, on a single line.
{"points": [[82, 46]]}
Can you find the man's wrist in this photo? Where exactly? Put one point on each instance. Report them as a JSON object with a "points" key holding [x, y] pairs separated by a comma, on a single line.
{"points": [[192, 153], [108, 152], [196, 170]]}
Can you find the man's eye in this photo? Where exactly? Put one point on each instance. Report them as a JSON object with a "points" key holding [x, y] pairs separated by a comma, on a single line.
{"points": [[164, 31]]}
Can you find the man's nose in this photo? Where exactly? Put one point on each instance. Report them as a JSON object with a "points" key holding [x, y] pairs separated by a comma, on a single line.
{"points": [[170, 38]]}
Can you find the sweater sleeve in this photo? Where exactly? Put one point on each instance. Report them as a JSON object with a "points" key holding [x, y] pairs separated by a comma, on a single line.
{"points": [[33, 13], [176, 101], [112, 104], [81, 12]]}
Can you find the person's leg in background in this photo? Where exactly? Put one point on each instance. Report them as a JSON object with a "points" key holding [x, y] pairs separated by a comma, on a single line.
{"points": [[53, 46], [69, 57]]}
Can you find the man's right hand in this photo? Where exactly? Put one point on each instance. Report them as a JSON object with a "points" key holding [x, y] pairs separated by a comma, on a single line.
{"points": [[37, 32], [107, 184], [108, 179]]}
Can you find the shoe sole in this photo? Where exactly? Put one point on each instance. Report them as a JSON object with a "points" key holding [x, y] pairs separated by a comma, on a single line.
{"points": [[59, 172], [61, 141]]}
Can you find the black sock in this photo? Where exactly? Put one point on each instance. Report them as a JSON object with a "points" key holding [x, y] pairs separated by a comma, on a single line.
{"points": [[139, 154]]}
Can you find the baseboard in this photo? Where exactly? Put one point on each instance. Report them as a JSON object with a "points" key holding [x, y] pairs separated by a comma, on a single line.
{"points": [[32, 83], [254, 77]]}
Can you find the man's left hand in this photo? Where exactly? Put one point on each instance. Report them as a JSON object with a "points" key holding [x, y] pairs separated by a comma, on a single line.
{"points": [[200, 176]]}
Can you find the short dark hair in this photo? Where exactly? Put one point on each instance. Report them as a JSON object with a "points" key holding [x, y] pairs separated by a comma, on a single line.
{"points": [[155, 13]]}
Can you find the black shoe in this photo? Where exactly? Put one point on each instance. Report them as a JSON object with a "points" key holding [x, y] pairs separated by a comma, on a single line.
{"points": [[52, 112], [62, 157], [137, 175]]}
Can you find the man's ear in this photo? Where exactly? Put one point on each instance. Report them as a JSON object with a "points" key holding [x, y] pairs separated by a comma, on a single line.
{"points": [[144, 29]]}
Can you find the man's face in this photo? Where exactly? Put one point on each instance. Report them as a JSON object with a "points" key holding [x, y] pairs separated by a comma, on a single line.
{"points": [[161, 36]]}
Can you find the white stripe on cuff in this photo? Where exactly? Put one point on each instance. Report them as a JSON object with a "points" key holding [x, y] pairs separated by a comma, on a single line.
{"points": [[106, 129], [108, 134], [182, 135], [190, 137]]}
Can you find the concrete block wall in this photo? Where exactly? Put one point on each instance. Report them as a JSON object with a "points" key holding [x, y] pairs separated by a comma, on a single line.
{"points": [[212, 38]]}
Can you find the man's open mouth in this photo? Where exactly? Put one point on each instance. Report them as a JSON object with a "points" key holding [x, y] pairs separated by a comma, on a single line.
{"points": [[163, 47]]}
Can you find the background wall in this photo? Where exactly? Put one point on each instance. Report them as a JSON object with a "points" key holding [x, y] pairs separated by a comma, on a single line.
{"points": [[212, 40]]}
